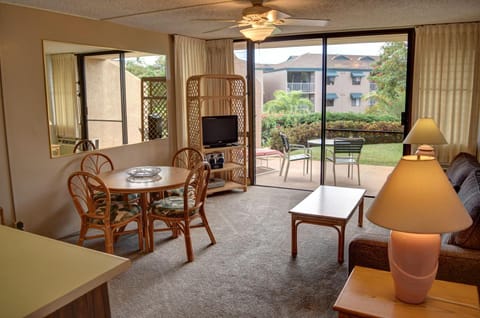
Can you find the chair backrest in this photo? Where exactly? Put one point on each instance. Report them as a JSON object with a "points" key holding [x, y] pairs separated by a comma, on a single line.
{"points": [[196, 185], [187, 158], [84, 145], [89, 193], [96, 162], [286, 144], [348, 145]]}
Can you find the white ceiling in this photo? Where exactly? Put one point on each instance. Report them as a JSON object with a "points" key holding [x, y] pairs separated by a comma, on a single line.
{"points": [[179, 16]]}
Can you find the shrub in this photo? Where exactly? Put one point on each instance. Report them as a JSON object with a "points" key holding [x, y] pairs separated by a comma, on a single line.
{"points": [[300, 128]]}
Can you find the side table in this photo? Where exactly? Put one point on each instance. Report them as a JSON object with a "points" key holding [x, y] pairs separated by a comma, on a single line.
{"points": [[370, 293]]}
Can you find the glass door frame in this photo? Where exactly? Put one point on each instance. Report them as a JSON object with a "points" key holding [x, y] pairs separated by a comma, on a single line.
{"points": [[406, 116]]}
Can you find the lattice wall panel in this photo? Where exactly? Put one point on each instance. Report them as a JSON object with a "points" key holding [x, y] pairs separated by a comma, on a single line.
{"points": [[154, 108]]}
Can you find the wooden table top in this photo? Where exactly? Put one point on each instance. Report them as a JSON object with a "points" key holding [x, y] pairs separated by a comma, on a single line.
{"points": [[331, 202], [370, 293], [39, 275], [171, 177]]}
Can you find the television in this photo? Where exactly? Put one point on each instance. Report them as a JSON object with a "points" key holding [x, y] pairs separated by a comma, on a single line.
{"points": [[219, 131]]}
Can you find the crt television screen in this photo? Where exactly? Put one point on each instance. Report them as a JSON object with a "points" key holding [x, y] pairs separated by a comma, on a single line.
{"points": [[219, 131]]}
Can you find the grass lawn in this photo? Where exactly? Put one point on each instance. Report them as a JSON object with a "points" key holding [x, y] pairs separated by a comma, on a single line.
{"points": [[375, 154]]}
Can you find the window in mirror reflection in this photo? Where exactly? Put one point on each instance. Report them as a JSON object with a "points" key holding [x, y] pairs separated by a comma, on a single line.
{"points": [[109, 97]]}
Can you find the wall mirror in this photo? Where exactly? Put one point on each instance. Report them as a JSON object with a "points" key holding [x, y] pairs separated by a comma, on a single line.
{"points": [[100, 97]]}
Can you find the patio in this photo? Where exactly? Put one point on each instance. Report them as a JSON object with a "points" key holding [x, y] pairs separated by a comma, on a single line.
{"points": [[371, 177]]}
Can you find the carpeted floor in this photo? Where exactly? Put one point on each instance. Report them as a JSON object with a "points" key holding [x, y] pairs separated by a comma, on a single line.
{"points": [[248, 273]]}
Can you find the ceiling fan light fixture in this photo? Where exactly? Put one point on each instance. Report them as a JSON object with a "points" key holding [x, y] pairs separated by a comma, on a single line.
{"points": [[258, 34]]}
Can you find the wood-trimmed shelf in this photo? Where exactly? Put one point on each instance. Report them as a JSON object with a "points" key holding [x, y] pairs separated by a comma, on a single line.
{"points": [[216, 95]]}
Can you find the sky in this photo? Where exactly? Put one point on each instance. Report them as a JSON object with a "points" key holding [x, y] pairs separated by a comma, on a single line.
{"points": [[279, 55]]}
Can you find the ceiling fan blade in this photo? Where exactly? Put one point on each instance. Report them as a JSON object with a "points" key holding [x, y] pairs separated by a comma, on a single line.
{"points": [[215, 20], [220, 29], [240, 25], [306, 22], [274, 15]]}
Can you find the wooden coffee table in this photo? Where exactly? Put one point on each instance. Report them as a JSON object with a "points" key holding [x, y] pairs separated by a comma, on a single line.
{"points": [[328, 206]]}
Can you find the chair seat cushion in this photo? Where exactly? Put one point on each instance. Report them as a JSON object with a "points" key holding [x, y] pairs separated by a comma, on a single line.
{"points": [[132, 197], [119, 211], [171, 206], [178, 192]]}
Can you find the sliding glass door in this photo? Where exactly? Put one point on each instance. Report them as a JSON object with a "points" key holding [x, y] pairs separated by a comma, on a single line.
{"points": [[365, 102], [316, 90]]}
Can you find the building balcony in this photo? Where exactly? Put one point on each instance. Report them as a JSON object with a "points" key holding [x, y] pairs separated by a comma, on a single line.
{"points": [[302, 87]]}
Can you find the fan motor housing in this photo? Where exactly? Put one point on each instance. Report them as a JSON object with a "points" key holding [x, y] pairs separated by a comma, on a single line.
{"points": [[255, 12]]}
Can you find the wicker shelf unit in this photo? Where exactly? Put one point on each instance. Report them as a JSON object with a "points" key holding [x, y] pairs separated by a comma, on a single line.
{"points": [[215, 95]]}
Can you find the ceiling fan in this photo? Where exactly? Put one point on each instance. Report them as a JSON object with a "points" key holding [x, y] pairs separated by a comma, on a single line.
{"points": [[259, 21]]}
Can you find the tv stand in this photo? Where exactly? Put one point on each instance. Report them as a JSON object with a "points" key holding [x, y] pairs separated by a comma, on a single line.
{"points": [[229, 99]]}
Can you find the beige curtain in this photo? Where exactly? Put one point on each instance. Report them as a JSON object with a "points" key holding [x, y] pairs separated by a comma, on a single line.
{"points": [[196, 57], [67, 112], [219, 61], [190, 59], [220, 57], [446, 83]]}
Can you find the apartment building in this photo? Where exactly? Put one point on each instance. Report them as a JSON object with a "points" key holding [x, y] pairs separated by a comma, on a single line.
{"points": [[348, 86]]}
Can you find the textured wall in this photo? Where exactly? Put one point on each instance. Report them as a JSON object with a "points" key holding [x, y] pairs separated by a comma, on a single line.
{"points": [[38, 191]]}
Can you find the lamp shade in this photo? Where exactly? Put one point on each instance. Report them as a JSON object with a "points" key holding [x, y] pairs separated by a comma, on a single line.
{"points": [[418, 198], [258, 33], [425, 131]]}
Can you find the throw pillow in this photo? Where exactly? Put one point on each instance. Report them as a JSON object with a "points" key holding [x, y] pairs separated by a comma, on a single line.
{"points": [[469, 194], [460, 168]]}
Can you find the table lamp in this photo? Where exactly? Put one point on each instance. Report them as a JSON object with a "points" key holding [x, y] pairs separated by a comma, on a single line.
{"points": [[417, 203], [425, 133]]}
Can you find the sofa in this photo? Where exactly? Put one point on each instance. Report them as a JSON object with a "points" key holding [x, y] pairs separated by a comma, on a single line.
{"points": [[459, 259]]}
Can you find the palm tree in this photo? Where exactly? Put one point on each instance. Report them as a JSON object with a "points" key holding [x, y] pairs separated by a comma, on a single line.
{"points": [[288, 102]]}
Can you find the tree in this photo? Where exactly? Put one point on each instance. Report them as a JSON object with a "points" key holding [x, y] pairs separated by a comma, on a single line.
{"points": [[140, 68], [390, 75], [288, 102]]}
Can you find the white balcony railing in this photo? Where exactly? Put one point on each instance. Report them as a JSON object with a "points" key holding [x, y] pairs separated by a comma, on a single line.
{"points": [[303, 87]]}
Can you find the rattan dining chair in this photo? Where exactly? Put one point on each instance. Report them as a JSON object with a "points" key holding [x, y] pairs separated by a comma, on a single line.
{"points": [[178, 212], [97, 162], [186, 158], [346, 151], [84, 145], [93, 204]]}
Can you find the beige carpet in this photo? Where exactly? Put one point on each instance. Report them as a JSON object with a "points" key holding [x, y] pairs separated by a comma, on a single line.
{"points": [[248, 273]]}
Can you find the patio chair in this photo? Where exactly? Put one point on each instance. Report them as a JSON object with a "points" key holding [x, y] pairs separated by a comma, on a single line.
{"points": [[346, 151], [305, 155], [178, 212]]}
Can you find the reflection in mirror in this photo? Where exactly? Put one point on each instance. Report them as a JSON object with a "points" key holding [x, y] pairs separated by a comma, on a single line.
{"points": [[109, 97]]}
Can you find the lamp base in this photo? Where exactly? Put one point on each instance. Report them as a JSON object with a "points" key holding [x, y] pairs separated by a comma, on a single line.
{"points": [[413, 260], [425, 150]]}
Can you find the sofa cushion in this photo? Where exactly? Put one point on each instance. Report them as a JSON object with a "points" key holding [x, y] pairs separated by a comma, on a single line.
{"points": [[469, 194], [460, 168]]}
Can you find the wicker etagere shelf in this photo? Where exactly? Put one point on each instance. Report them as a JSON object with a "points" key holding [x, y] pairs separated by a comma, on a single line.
{"points": [[214, 95]]}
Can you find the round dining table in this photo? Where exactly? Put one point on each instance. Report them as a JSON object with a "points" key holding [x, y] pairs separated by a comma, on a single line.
{"points": [[120, 181]]}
